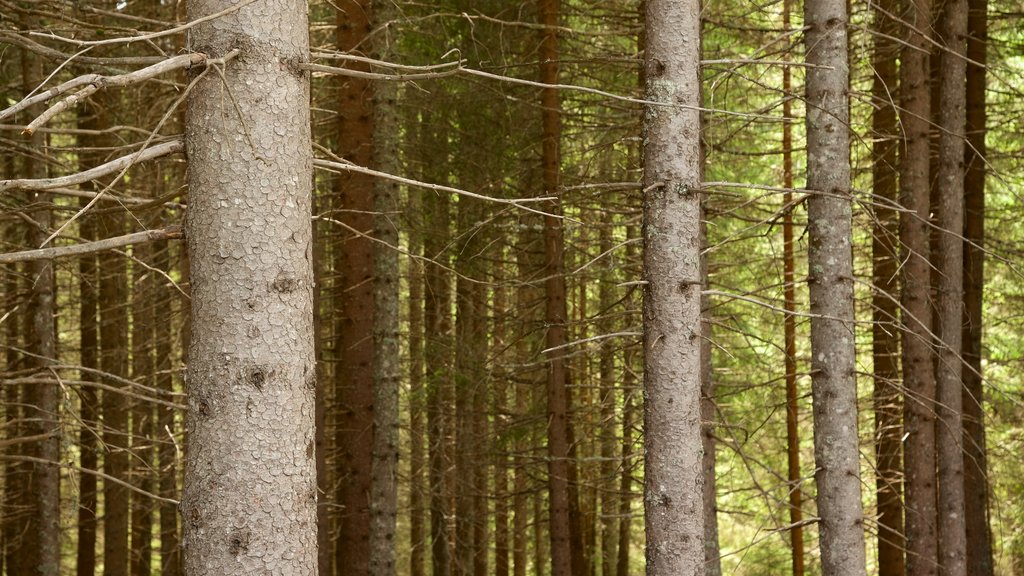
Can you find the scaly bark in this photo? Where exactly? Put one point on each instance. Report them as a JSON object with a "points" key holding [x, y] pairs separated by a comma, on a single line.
{"points": [[673, 478], [249, 501], [830, 275]]}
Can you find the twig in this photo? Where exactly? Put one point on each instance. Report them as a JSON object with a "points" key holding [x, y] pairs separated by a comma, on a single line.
{"points": [[170, 233]]}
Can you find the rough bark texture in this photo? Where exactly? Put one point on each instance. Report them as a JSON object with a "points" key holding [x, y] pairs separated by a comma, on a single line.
{"points": [[249, 502], [673, 478], [949, 262], [386, 374], [979, 534], [354, 298], [884, 255], [830, 276], [915, 281]]}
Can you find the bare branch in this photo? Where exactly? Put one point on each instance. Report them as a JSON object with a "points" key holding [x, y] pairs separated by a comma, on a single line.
{"points": [[169, 147], [171, 233]]}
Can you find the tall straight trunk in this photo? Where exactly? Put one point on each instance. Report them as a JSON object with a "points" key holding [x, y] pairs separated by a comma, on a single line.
{"points": [[609, 495], [979, 534], [949, 262], [88, 288], [884, 254], [249, 501], [386, 370], [41, 539], [499, 408], [559, 529], [114, 361], [418, 488], [142, 319], [915, 297], [796, 532], [830, 275], [673, 478], [626, 477], [166, 451], [354, 299], [437, 349]]}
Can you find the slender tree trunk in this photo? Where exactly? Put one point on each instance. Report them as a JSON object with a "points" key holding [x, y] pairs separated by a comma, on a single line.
{"points": [[354, 304], [41, 539], [979, 535], [673, 480], [249, 502], [884, 254], [499, 408], [915, 298], [830, 275], [418, 487], [555, 304], [949, 261], [607, 379], [796, 533], [143, 318], [114, 361], [626, 478], [166, 454], [386, 370]]}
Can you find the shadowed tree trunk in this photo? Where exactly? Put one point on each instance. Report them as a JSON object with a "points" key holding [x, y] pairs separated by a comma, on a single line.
{"points": [[249, 501], [884, 309], [979, 534], [830, 276]]}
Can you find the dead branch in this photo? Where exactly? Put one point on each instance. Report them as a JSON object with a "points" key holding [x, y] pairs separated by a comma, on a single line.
{"points": [[171, 233]]}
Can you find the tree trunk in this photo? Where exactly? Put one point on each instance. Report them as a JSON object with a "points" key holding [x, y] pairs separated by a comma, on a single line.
{"points": [[884, 254], [114, 361], [418, 487], [167, 456], [949, 263], [626, 478], [830, 275], [386, 370], [915, 298], [143, 327], [979, 534], [673, 479], [555, 306], [796, 532], [41, 539], [249, 501], [354, 298]]}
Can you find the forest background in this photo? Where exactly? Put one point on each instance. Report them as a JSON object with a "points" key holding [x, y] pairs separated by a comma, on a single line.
{"points": [[482, 112]]}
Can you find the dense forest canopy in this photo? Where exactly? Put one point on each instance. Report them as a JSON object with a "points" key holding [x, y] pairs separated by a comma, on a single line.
{"points": [[554, 287]]}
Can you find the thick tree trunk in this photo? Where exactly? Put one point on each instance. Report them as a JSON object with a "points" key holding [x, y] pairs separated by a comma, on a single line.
{"points": [[249, 502], [673, 478], [830, 275], [949, 263], [976, 489], [884, 255], [354, 298], [915, 299]]}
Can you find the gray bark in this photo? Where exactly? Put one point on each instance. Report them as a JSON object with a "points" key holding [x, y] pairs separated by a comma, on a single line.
{"points": [[830, 275], [949, 262], [673, 480], [249, 501]]}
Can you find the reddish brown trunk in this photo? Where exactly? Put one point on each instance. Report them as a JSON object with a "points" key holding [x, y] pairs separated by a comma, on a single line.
{"points": [[353, 304]]}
